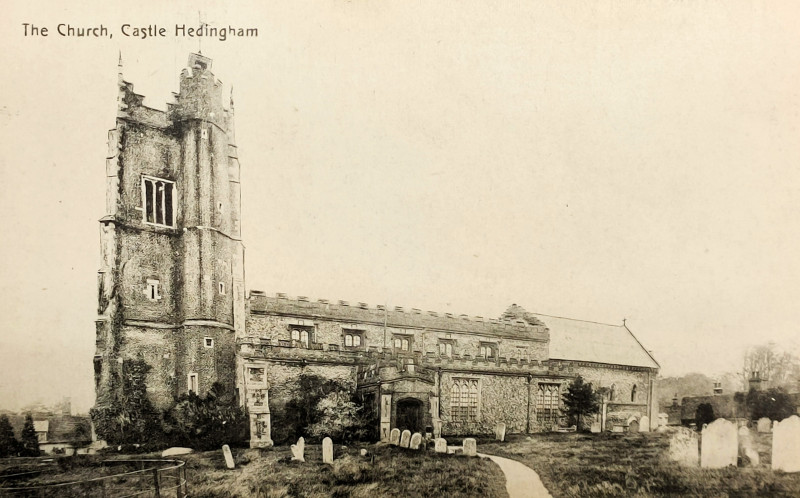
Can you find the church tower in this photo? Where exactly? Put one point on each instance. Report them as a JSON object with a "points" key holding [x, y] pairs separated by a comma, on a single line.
{"points": [[171, 286]]}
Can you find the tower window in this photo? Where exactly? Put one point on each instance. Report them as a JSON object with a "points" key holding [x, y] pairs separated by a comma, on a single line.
{"points": [[153, 290], [222, 288], [209, 342], [193, 383], [157, 200], [353, 339], [402, 342]]}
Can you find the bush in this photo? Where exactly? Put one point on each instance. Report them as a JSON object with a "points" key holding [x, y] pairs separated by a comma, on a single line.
{"points": [[206, 423], [704, 415], [775, 404], [351, 470]]}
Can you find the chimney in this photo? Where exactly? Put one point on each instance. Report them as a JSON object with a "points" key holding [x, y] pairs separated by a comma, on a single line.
{"points": [[717, 388], [756, 382], [675, 400]]}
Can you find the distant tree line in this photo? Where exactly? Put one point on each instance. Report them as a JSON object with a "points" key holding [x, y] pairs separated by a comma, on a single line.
{"points": [[27, 445]]}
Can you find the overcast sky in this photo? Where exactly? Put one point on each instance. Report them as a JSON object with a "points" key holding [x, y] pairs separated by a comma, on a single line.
{"points": [[595, 160]]}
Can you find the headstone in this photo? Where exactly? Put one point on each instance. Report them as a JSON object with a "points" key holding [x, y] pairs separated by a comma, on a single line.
{"points": [[363, 452], [683, 447], [437, 428], [416, 440], [394, 437], [405, 438], [746, 448], [596, 429], [470, 447], [663, 419], [644, 424], [226, 451], [327, 450], [744, 431], [298, 450], [174, 451], [764, 425], [633, 426], [719, 446], [786, 444], [500, 432], [618, 428], [440, 445]]}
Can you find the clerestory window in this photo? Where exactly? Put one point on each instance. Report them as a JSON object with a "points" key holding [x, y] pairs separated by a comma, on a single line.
{"points": [[158, 204]]}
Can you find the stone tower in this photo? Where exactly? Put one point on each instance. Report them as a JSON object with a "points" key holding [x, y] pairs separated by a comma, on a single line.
{"points": [[171, 285]]}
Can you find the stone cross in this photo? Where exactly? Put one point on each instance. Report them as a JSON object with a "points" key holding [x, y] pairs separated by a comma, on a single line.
{"points": [[683, 447], [719, 446], [298, 450], [405, 438], [470, 447], [394, 437], [226, 451], [644, 424], [786, 444], [327, 450], [416, 440], [440, 445], [764, 425], [500, 432]]}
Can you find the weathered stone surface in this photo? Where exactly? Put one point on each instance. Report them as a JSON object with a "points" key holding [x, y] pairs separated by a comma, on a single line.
{"points": [[405, 438], [500, 432], [298, 450], [683, 447], [394, 436], [416, 440], [226, 451], [175, 450], [327, 450], [470, 447], [633, 426], [596, 427], [440, 445], [719, 445], [644, 424], [786, 444], [764, 425]]}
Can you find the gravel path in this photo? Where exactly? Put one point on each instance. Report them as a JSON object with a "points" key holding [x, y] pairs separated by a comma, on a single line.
{"points": [[521, 480]]}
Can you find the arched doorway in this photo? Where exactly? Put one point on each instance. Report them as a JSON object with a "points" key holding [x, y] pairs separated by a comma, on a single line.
{"points": [[410, 415]]}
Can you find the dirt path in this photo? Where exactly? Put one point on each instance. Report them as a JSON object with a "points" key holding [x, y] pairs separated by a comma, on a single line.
{"points": [[521, 480]]}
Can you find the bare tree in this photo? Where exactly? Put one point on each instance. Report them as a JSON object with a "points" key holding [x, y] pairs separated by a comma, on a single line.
{"points": [[768, 362]]}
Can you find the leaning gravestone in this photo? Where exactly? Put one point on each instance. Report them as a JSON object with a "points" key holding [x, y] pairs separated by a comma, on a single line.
{"points": [[327, 450], [405, 438], [719, 445], [416, 440], [440, 445], [644, 424], [683, 447], [786, 444], [470, 447], [298, 450], [394, 436], [175, 451], [500, 432], [764, 425], [226, 451]]}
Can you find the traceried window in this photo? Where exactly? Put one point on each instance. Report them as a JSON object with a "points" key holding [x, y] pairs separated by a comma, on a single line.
{"points": [[401, 343], [353, 339], [301, 335], [445, 348], [548, 400], [464, 400], [158, 201]]}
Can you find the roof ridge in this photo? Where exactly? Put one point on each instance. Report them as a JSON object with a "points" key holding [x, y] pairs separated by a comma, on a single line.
{"points": [[577, 320]]}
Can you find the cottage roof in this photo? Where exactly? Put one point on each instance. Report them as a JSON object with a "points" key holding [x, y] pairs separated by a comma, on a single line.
{"points": [[360, 313], [581, 340]]}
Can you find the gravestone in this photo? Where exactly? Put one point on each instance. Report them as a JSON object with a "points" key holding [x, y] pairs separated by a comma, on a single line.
{"points": [[470, 447], [633, 426], [327, 450], [363, 452], [683, 447], [786, 444], [174, 451], [405, 438], [663, 419], [746, 447], [416, 440], [596, 429], [226, 451], [298, 450], [644, 424], [440, 445], [500, 432], [394, 437], [618, 428], [719, 445], [764, 425]]}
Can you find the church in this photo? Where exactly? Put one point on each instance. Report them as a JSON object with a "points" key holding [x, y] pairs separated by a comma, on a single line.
{"points": [[171, 293]]}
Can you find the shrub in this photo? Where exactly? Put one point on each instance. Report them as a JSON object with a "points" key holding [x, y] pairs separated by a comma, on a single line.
{"points": [[208, 422], [351, 470], [9, 446], [775, 404]]}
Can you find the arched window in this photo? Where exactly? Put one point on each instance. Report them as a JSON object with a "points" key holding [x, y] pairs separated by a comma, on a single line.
{"points": [[464, 400], [613, 392], [633, 393]]}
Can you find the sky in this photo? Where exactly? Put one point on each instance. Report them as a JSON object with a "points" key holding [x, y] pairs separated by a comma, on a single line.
{"points": [[594, 160]]}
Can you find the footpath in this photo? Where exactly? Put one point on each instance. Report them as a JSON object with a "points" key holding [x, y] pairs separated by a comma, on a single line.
{"points": [[521, 480]]}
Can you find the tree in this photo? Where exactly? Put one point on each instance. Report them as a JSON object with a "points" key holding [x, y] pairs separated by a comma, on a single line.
{"points": [[208, 422], [774, 403], [580, 399], [340, 418], [9, 446], [704, 415], [294, 419], [29, 439], [780, 368]]}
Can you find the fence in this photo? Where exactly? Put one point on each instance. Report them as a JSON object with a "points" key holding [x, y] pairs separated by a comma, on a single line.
{"points": [[153, 479]]}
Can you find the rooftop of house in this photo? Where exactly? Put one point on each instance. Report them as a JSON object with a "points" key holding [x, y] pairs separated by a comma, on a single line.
{"points": [[400, 317], [581, 340]]}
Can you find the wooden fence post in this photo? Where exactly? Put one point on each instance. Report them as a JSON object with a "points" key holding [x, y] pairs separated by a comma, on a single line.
{"points": [[156, 487]]}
